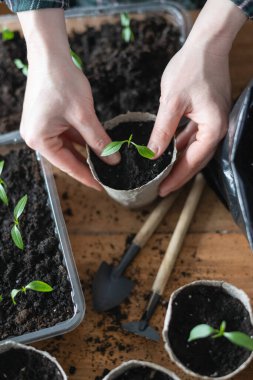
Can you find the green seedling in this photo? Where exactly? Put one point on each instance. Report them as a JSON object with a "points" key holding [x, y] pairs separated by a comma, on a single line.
{"points": [[15, 231], [115, 146], [21, 66], [76, 59], [3, 195], [1, 297], [236, 337], [126, 33], [7, 34], [36, 286]]}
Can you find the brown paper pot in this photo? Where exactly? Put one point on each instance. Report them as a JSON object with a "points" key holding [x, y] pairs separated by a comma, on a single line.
{"points": [[231, 291], [43, 355], [141, 196], [113, 375]]}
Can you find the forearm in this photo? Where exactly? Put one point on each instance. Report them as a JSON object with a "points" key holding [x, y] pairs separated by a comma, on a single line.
{"points": [[217, 26], [45, 34]]}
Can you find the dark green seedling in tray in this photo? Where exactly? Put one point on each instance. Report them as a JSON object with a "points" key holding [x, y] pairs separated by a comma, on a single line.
{"points": [[7, 34], [236, 337], [115, 146], [15, 231], [36, 286], [3, 195], [127, 33]]}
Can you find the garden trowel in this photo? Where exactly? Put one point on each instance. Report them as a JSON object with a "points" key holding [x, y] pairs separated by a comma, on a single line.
{"points": [[142, 327], [110, 287]]}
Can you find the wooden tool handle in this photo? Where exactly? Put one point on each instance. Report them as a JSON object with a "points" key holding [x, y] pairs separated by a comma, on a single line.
{"points": [[178, 235], [154, 219]]}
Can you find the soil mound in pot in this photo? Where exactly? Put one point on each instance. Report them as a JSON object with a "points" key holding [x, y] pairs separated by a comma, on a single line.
{"points": [[41, 258], [143, 373], [18, 364], [199, 304], [133, 171]]}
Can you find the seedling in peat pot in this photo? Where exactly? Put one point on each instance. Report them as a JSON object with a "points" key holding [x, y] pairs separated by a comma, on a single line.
{"points": [[7, 34], [37, 286], [21, 66], [115, 146], [3, 195], [127, 33], [15, 231], [236, 337]]}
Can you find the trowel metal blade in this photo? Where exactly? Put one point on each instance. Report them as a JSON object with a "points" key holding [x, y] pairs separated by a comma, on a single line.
{"points": [[148, 332]]}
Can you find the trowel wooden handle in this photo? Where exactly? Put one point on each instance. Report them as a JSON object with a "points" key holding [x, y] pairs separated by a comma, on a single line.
{"points": [[154, 220], [178, 235]]}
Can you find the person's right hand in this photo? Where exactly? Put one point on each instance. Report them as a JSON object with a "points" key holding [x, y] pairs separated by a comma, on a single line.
{"points": [[58, 108]]}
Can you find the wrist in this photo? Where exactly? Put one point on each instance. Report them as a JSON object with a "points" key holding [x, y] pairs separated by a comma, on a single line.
{"points": [[45, 34], [217, 26]]}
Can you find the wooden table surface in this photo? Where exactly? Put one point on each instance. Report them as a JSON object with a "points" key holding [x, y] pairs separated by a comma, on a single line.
{"points": [[98, 228]]}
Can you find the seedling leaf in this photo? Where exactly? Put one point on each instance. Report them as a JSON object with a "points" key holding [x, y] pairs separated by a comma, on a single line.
{"points": [[1, 166], [16, 237], [76, 59], [7, 35], [125, 19], [144, 151], [3, 195], [240, 339], [112, 147], [127, 35], [21, 66], [14, 292], [39, 286], [200, 331], [20, 207], [1, 297]]}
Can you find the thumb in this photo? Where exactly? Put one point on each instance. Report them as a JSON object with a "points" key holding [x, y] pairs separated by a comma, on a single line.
{"points": [[167, 120]]}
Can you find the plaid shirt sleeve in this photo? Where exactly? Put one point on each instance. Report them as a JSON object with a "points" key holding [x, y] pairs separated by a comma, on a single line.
{"points": [[246, 6], [28, 5]]}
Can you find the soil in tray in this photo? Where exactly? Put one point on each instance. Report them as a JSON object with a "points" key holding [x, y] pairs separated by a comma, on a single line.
{"points": [[133, 170], [124, 77], [143, 373], [29, 365], [41, 258], [212, 305]]}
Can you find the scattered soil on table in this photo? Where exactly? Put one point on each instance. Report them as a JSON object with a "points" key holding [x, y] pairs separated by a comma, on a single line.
{"points": [[211, 305], [133, 170], [41, 258], [124, 77], [29, 365], [143, 373]]}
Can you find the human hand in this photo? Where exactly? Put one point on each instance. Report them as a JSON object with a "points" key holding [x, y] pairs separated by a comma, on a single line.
{"points": [[196, 83], [58, 107]]}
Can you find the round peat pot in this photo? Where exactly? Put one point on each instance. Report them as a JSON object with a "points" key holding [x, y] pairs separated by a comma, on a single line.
{"points": [[18, 361], [134, 182], [139, 370], [207, 302]]}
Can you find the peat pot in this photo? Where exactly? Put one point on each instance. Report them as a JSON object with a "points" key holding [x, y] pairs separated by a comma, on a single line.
{"points": [[207, 302]]}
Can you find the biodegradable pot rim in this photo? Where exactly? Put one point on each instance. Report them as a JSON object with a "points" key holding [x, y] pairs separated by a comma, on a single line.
{"points": [[128, 197], [8, 344], [234, 292], [138, 363]]}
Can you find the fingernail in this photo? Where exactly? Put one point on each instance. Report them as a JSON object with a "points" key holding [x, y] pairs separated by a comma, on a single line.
{"points": [[153, 147]]}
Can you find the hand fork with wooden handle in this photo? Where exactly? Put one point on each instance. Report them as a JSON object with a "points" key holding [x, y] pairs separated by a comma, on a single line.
{"points": [[141, 327]]}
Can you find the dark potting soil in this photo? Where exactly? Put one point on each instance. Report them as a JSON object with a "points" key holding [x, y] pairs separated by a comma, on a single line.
{"points": [[41, 258], [124, 77], [211, 305], [133, 170], [29, 365], [143, 373]]}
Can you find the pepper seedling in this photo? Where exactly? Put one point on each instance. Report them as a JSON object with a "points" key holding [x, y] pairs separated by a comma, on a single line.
{"points": [[3, 195], [126, 33], [15, 231], [76, 59], [115, 146], [36, 286], [21, 66], [7, 34], [1, 297], [236, 337]]}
